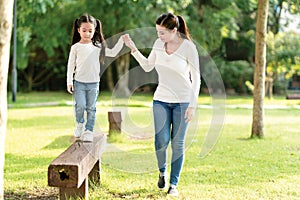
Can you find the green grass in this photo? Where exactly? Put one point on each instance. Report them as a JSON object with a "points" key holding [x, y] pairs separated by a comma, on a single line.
{"points": [[237, 168]]}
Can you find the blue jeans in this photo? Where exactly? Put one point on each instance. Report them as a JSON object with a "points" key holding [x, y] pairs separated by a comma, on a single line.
{"points": [[86, 95], [170, 125]]}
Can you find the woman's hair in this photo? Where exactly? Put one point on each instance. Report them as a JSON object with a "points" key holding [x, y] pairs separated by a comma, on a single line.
{"points": [[98, 37], [171, 21]]}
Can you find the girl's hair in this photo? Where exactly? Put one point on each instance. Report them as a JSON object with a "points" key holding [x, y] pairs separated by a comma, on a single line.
{"points": [[98, 38], [171, 21]]}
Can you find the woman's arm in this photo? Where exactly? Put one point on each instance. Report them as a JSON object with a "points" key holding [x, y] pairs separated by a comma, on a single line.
{"points": [[116, 49], [146, 63], [193, 60]]}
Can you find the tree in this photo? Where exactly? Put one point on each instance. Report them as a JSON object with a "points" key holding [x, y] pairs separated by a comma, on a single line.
{"points": [[260, 68], [283, 60], [277, 7], [6, 16], [40, 49]]}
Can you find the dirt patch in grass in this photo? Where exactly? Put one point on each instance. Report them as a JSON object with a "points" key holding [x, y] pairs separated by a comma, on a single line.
{"points": [[35, 194]]}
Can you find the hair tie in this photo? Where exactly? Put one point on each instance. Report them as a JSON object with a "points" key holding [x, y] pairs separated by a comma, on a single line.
{"points": [[77, 22], [177, 21]]}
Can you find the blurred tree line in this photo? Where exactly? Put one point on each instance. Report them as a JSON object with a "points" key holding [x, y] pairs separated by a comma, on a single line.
{"points": [[224, 28]]}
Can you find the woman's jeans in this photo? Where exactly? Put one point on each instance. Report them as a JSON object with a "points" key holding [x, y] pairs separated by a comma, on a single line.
{"points": [[170, 125], [86, 95]]}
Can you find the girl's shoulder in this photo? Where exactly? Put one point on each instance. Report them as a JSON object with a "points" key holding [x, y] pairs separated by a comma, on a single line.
{"points": [[79, 45], [74, 46]]}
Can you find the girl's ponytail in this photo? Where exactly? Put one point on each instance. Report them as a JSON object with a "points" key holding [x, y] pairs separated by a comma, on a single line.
{"points": [[75, 34], [99, 38]]}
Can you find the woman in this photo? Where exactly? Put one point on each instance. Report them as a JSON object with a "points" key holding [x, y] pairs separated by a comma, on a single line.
{"points": [[175, 58]]}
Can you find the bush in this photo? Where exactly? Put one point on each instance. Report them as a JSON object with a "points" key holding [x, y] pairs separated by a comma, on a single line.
{"points": [[235, 74]]}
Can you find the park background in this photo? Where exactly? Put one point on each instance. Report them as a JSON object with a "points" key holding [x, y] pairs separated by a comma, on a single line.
{"points": [[224, 28], [238, 168]]}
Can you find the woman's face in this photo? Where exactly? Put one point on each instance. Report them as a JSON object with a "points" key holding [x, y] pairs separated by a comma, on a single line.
{"points": [[86, 32], [165, 34]]}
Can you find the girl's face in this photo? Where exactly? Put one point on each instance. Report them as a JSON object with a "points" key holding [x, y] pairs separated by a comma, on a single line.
{"points": [[86, 31], [165, 34]]}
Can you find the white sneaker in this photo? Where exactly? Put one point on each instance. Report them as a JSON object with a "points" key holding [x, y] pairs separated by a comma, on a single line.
{"points": [[87, 136], [172, 191], [79, 130]]}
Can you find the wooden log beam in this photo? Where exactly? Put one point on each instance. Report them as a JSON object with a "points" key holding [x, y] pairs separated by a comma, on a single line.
{"points": [[115, 120], [71, 169]]}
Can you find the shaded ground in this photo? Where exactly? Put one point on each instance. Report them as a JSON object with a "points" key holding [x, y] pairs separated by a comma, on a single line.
{"points": [[36, 194]]}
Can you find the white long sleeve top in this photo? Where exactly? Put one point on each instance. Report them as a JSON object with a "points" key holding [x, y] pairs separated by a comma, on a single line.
{"points": [[84, 62], [178, 73]]}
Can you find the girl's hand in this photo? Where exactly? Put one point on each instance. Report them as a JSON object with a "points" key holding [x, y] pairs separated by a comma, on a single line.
{"points": [[189, 113], [70, 89], [128, 42]]}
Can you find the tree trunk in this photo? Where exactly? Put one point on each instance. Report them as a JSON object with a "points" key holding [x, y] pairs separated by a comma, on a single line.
{"points": [[269, 85], [259, 71], [6, 16], [110, 80], [122, 89]]}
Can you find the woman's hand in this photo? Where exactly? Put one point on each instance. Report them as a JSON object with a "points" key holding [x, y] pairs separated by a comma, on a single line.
{"points": [[70, 89], [128, 42], [189, 113]]}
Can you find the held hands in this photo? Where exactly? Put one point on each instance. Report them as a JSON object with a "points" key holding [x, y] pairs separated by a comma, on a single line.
{"points": [[70, 89], [129, 43], [189, 113]]}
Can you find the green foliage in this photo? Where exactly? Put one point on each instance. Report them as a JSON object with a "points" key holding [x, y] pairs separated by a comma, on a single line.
{"points": [[44, 29], [283, 52], [213, 21], [248, 7], [235, 74], [41, 41], [277, 8]]}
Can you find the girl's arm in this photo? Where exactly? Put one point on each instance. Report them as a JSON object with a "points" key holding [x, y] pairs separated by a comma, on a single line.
{"points": [[70, 69], [146, 63], [116, 49]]}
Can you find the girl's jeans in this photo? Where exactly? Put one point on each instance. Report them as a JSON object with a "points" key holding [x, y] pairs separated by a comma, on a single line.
{"points": [[169, 123], [86, 95]]}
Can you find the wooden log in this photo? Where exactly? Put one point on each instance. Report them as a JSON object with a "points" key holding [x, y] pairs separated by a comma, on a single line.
{"points": [[115, 120], [69, 171], [66, 193], [94, 175]]}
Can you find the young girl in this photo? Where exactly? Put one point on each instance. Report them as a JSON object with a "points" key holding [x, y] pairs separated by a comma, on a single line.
{"points": [[175, 58], [88, 50]]}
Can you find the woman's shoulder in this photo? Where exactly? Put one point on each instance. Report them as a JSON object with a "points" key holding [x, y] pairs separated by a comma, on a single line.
{"points": [[158, 43], [189, 43]]}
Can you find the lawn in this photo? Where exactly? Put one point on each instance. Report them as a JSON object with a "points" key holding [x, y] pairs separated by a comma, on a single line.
{"points": [[236, 168]]}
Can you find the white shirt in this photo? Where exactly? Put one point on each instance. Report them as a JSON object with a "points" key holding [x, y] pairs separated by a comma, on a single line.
{"points": [[178, 73], [84, 61]]}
